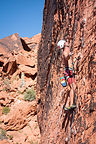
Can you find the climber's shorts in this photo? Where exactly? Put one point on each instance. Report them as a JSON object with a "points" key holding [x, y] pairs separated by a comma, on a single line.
{"points": [[69, 72]]}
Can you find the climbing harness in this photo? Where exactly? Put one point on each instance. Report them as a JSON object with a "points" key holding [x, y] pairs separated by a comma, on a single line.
{"points": [[67, 78], [69, 75]]}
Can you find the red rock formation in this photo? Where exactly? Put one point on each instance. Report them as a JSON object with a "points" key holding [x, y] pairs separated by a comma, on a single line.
{"points": [[10, 43], [15, 60], [75, 22], [18, 72], [17, 118], [4, 142]]}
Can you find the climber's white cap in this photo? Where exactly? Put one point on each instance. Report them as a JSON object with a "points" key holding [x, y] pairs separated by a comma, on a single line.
{"points": [[61, 44]]}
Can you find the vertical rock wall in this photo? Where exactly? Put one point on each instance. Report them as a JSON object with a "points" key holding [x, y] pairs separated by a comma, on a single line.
{"points": [[75, 21]]}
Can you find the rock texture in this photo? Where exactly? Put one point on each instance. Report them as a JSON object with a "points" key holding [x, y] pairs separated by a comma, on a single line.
{"points": [[75, 22], [17, 118], [10, 43], [17, 60], [18, 74]]}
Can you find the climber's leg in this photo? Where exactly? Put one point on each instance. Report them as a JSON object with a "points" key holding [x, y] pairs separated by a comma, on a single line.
{"points": [[71, 96], [70, 103], [70, 63]]}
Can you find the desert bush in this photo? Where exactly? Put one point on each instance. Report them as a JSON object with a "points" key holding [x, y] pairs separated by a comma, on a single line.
{"points": [[31, 142], [2, 134], [29, 95], [10, 137], [5, 110], [6, 82]]}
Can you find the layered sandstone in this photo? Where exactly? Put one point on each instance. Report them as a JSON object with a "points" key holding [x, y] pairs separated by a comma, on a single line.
{"points": [[18, 73]]}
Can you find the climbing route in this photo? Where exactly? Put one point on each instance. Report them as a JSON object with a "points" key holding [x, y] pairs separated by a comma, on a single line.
{"points": [[70, 72], [67, 107], [72, 44]]}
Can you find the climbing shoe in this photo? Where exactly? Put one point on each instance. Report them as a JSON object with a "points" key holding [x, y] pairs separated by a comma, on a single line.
{"points": [[63, 81], [72, 107]]}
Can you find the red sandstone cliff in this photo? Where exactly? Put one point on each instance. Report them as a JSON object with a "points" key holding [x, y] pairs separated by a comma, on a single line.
{"points": [[74, 21]]}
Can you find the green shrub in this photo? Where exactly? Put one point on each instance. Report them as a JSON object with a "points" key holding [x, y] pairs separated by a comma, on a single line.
{"points": [[3, 132], [5, 89], [6, 82], [31, 142], [10, 137], [29, 95], [5, 110]]}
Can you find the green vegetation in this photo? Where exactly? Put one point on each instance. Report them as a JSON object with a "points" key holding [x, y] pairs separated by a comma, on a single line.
{"points": [[16, 77], [19, 92], [5, 89], [29, 95], [10, 137], [5, 110], [35, 127], [6, 82], [3, 132], [31, 142]]}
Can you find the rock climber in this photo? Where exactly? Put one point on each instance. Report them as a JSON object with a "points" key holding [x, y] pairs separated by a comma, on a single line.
{"points": [[68, 73], [63, 45]]}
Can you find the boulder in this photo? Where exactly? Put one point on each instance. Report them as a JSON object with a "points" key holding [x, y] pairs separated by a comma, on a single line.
{"points": [[28, 70], [22, 59], [33, 42], [19, 115], [5, 98], [10, 66], [10, 43]]}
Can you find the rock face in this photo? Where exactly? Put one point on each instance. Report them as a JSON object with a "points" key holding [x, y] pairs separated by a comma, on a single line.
{"points": [[75, 22], [18, 78]]}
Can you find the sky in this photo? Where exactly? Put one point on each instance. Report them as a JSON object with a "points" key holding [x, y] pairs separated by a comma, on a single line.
{"points": [[21, 16]]}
